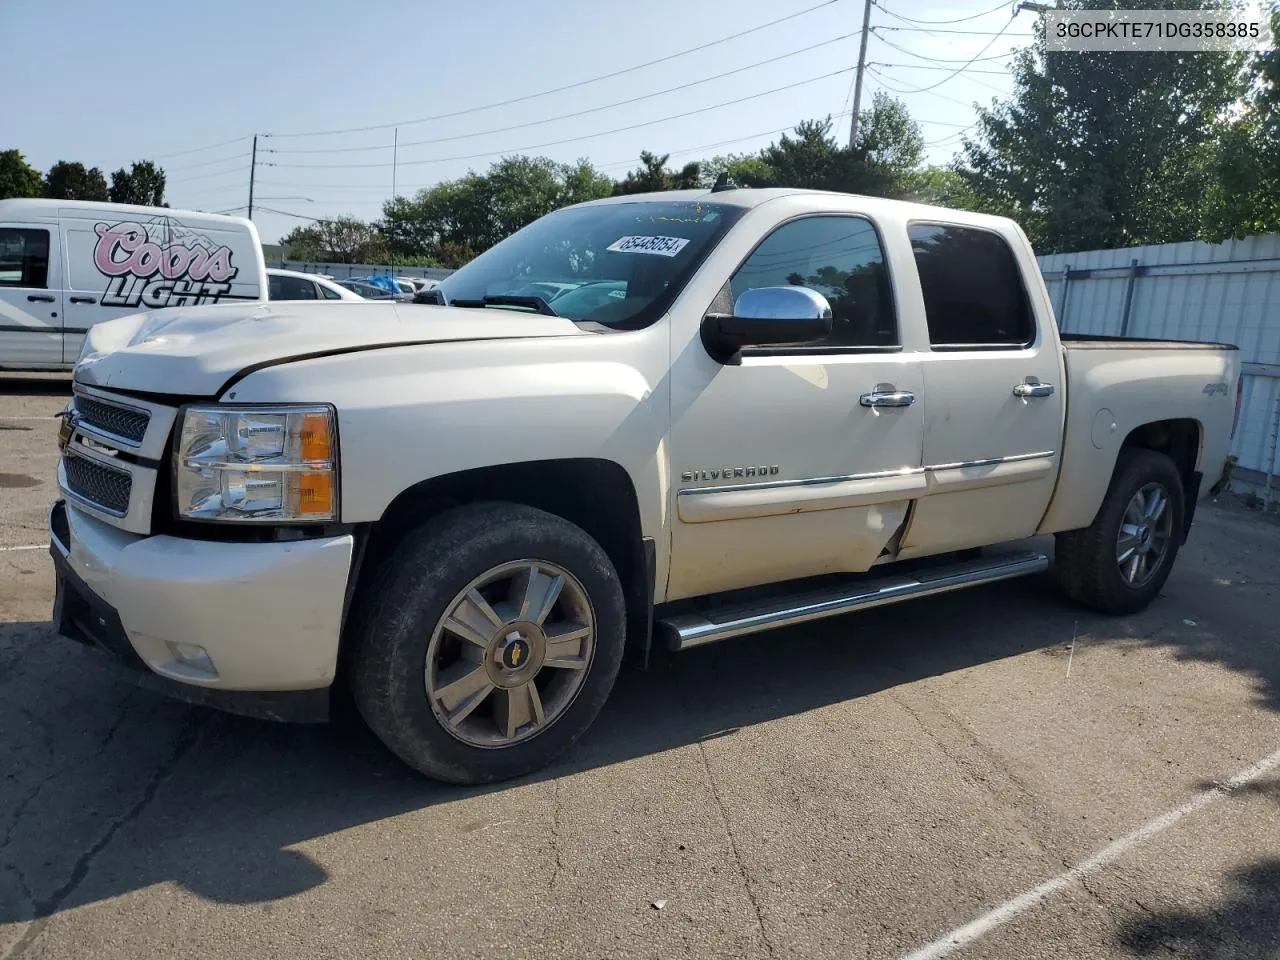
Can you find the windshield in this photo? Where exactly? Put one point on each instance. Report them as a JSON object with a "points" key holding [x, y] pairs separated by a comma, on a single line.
{"points": [[617, 264]]}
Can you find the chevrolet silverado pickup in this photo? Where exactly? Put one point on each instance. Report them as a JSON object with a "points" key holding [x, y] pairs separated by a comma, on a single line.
{"points": [[672, 418]]}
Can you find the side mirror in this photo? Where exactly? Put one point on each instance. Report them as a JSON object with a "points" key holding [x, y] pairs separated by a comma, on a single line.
{"points": [[766, 316]]}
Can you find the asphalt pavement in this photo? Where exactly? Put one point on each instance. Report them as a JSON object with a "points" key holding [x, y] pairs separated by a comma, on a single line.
{"points": [[992, 773]]}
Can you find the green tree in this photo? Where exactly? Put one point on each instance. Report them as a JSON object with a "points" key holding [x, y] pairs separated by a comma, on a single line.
{"points": [[1244, 188], [305, 243], [340, 240], [744, 169], [67, 180], [142, 183], [940, 186], [1104, 149], [454, 220], [17, 177], [888, 151], [890, 146], [652, 175]]}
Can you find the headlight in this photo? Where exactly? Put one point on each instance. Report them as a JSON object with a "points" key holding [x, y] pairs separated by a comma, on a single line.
{"points": [[265, 464]]}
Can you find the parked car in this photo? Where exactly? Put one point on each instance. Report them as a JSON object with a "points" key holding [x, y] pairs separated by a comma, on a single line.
{"points": [[366, 291], [398, 290], [294, 285], [679, 417], [66, 265]]}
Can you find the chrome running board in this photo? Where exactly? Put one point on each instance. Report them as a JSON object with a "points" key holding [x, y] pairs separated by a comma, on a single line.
{"points": [[694, 629]]}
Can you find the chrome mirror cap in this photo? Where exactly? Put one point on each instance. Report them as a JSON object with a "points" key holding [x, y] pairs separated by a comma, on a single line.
{"points": [[782, 303]]}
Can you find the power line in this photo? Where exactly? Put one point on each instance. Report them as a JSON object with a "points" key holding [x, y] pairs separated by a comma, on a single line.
{"points": [[933, 93], [615, 164], [975, 16], [560, 89], [207, 163], [916, 66], [212, 146], [951, 136], [972, 33], [554, 143], [912, 53], [962, 69], [578, 113], [296, 216], [721, 143], [206, 176]]}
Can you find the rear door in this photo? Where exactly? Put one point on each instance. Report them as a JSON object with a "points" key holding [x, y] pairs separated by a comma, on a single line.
{"points": [[30, 295], [993, 392]]}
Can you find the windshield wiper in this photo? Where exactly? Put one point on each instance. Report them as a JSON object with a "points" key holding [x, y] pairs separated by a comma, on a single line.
{"points": [[509, 300]]}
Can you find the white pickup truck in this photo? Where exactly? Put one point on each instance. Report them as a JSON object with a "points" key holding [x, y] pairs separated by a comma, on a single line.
{"points": [[677, 418]]}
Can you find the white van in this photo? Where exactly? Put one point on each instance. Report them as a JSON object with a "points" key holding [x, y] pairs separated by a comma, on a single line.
{"points": [[68, 264]]}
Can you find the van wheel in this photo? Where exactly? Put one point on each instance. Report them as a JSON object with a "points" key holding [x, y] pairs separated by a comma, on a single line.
{"points": [[487, 643], [1119, 563]]}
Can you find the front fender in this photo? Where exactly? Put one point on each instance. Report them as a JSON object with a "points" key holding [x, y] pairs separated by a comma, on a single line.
{"points": [[408, 414]]}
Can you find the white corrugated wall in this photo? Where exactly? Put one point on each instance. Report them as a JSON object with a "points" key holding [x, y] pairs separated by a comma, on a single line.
{"points": [[1226, 292]]}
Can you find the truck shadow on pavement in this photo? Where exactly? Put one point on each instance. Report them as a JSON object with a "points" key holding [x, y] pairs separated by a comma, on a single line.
{"points": [[1245, 926], [214, 803]]}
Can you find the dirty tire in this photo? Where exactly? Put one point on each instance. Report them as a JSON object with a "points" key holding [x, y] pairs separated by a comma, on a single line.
{"points": [[412, 590], [1085, 563]]}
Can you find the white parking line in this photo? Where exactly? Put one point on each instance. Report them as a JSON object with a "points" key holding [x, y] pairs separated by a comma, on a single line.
{"points": [[33, 546], [971, 931], [15, 419]]}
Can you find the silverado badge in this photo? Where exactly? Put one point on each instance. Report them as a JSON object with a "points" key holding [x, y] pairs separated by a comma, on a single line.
{"points": [[730, 473]]}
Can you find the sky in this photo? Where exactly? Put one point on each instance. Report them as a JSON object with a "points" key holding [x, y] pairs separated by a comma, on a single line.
{"points": [[189, 84]]}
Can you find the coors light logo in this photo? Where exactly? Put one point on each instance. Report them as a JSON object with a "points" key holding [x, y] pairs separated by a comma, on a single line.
{"points": [[160, 265]]}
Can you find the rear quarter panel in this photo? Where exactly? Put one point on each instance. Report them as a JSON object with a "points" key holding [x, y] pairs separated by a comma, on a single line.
{"points": [[1112, 390]]}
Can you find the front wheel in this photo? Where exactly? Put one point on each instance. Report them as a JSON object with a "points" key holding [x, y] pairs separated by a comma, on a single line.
{"points": [[1119, 563], [488, 643]]}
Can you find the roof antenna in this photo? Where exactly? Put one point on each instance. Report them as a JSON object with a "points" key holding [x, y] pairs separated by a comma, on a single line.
{"points": [[723, 183]]}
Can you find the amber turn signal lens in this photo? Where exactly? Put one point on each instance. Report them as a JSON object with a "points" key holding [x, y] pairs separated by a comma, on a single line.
{"points": [[316, 444], [315, 494]]}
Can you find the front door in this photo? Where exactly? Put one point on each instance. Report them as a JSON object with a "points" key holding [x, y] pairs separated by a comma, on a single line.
{"points": [[804, 459], [30, 296], [995, 394]]}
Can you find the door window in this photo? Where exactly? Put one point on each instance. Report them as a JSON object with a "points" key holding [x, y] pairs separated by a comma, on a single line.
{"points": [[290, 288], [24, 258], [839, 257], [973, 289], [328, 293]]}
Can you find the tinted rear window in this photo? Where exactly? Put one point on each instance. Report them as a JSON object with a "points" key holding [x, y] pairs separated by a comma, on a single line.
{"points": [[973, 289]]}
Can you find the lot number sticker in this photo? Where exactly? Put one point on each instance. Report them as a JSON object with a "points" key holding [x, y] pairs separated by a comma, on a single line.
{"points": [[661, 246]]}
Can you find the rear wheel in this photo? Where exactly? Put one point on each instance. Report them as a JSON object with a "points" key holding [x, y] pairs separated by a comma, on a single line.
{"points": [[1120, 563], [488, 643]]}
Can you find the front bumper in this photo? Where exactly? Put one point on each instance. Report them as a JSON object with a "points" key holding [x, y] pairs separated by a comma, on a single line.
{"points": [[252, 628]]}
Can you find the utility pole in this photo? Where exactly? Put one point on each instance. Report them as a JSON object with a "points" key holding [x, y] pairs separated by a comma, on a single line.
{"points": [[253, 170], [395, 156], [857, 83]]}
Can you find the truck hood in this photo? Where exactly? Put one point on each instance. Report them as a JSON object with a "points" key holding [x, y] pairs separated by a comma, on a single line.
{"points": [[194, 351]]}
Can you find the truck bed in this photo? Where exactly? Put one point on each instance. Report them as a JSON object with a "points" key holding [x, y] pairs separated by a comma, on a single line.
{"points": [[1117, 384], [1083, 341]]}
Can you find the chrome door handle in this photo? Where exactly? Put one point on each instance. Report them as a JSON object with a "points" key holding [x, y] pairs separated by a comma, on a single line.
{"points": [[1026, 390], [892, 398]]}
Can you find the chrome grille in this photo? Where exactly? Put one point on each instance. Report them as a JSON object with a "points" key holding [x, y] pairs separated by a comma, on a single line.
{"points": [[104, 487], [118, 421]]}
